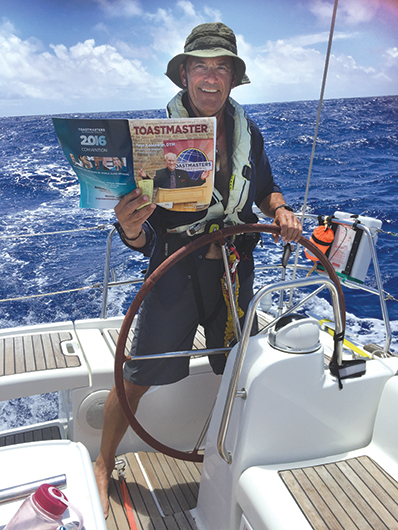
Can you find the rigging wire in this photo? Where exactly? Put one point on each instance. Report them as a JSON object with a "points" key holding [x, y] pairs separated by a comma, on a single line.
{"points": [[325, 72]]}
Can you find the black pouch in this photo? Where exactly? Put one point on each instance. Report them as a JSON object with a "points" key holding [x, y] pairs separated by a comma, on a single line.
{"points": [[172, 242], [246, 243]]}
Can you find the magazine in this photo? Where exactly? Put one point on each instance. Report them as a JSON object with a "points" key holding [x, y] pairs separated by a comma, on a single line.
{"points": [[171, 160]]}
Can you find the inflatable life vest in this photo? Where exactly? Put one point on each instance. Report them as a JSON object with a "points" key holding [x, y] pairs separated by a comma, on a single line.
{"points": [[322, 237], [239, 185]]}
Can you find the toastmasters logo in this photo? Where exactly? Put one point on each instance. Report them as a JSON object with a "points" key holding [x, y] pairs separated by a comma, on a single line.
{"points": [[194, 161]]}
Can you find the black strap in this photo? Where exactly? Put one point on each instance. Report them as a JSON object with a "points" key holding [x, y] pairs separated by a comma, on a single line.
{"points": [[353, 252], [333, 365], [347, 369]]}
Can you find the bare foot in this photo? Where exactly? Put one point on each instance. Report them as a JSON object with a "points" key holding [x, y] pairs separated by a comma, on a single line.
{"points": [[102, 476], [113, 430]]}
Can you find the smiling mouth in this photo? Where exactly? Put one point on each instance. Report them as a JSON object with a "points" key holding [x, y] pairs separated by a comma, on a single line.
{"points": [[209, 90]]}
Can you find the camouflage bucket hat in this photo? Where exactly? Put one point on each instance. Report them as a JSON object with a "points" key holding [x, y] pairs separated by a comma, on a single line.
{"points": [[213, 39]]}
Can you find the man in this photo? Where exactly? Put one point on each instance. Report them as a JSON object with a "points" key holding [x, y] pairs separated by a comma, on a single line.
{"points": [[206, 72], [170, 177]]}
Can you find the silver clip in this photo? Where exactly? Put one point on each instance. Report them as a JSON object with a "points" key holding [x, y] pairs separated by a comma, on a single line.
{"points": [[194, 229], [120, 466]]}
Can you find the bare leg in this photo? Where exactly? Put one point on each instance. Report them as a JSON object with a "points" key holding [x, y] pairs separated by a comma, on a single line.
{"points": [[113, 430]]}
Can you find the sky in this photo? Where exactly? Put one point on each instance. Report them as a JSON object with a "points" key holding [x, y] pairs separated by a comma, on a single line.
{"points": [[67, 56]]}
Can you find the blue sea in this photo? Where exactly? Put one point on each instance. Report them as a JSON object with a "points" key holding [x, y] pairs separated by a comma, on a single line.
{"points": [[355, 170]]}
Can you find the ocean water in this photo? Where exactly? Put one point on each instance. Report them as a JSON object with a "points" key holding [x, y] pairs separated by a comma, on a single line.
{"points": [[355, 170]]}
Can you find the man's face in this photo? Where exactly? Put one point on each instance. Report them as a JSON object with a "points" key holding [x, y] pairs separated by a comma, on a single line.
{"points": [[171, 161], [209, 81]]}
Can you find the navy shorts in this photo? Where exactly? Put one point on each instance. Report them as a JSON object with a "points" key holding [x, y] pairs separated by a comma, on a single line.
{"points": [[169, 323]]}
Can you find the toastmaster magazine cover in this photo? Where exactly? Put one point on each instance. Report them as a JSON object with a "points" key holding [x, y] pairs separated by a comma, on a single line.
{"points": [[171, 160]]}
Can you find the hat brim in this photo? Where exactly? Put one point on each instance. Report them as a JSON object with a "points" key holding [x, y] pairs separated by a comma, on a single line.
{"points": [[173, 68]]}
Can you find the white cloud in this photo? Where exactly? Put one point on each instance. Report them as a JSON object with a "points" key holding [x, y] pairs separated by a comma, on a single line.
{"points": [[187, 7], [358, 11], [291, 70], [7, 27], [165, 24], [143, 53], [350, 12], [212, 13], [303, 41], [128, 73], [120, 8], [101, 28], [322, 9], [319, 38], [82, 72], [287, 63], [392, 54]]}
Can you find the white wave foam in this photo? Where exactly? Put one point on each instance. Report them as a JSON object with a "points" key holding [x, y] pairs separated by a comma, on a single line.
{"points": [[26, 411]]}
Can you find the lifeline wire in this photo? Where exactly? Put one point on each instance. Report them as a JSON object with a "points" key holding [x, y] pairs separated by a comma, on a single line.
{"points": [[99, 227], [380, 231], [325, 73], [95, 286]]}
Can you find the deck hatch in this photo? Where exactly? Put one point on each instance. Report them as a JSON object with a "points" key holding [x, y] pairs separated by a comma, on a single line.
{"points": [[36, 352]]}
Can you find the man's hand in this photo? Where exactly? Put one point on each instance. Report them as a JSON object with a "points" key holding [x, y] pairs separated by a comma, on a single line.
{"points": [[131, 218], [290, 226]]}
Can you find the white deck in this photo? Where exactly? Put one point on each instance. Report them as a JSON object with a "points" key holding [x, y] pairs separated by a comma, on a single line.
{"points": [[294, 429], [40, 460]]}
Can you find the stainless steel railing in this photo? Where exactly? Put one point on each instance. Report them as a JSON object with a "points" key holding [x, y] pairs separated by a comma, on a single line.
{"points": [[232, 392], [349, 284]]}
